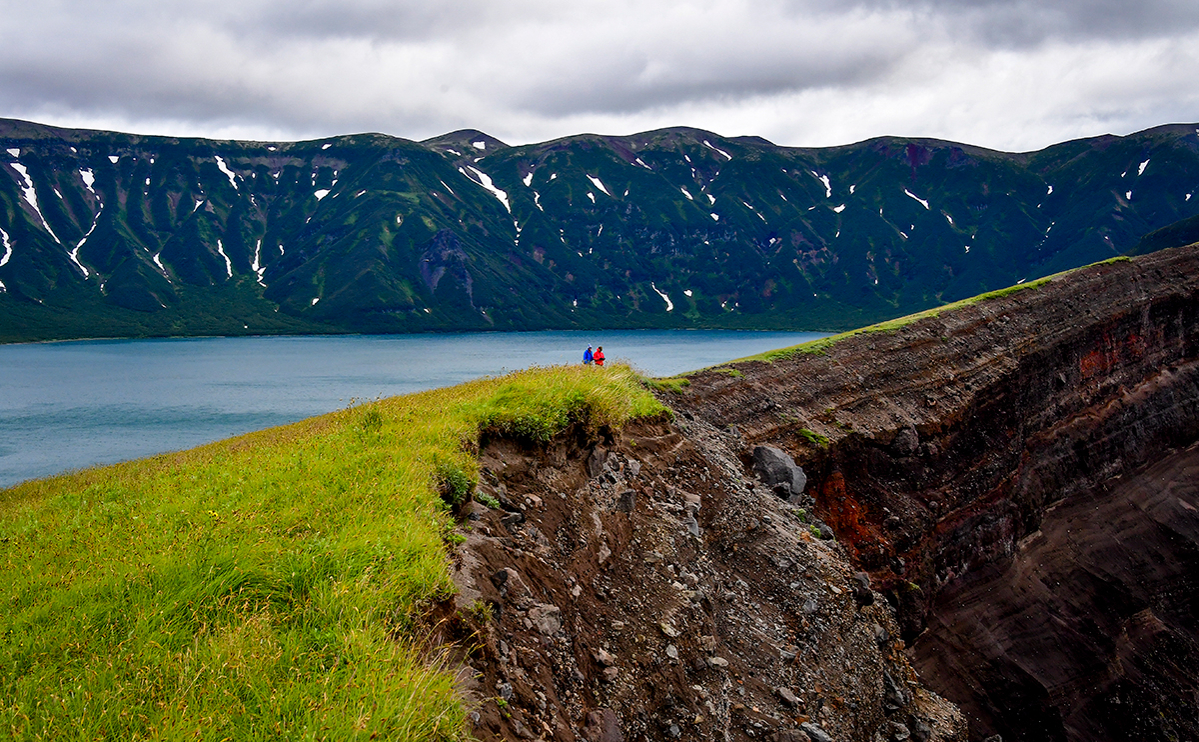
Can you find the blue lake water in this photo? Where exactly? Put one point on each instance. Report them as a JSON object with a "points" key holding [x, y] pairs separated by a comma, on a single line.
{"points": [[74, 404]]}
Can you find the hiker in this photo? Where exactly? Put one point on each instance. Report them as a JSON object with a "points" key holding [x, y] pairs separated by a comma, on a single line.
{"points": [[587, 356], [598, 356]]}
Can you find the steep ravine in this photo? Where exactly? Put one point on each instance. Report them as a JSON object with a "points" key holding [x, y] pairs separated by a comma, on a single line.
{"points": [[1015, 475], [1012, 486]]}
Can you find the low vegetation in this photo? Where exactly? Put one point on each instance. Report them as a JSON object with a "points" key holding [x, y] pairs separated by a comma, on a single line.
{"points": [[821, 345], [269, 586]]}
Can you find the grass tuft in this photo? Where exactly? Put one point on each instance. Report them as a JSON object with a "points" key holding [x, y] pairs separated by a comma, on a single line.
{"points": [[265, 587]]}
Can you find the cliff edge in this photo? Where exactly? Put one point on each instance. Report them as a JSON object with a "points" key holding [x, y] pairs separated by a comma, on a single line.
{"points": [[1000, 496], [1017, 476]]}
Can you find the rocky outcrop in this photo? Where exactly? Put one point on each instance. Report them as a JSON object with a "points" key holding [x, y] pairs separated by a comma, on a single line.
{"points": [[992, 469], [646, 586]]}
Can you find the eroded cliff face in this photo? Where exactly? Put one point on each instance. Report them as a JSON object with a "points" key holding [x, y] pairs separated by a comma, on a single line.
{"points": [[645, 586], [992, 468]]}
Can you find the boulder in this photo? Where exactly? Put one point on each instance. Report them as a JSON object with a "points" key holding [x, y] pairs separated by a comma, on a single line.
{"points": [[547, 618], [775, 467]]}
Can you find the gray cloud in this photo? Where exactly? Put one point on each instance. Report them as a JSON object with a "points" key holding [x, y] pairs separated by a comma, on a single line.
{"points": [[1001, 73]]}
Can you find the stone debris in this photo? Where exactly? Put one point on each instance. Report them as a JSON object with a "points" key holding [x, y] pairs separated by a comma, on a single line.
{"points": [[651, 593]]}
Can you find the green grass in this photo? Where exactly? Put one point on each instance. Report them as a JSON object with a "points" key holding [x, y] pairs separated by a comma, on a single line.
{"points": [[674, 384], [821, 345], [265, 587], [816, 439]]}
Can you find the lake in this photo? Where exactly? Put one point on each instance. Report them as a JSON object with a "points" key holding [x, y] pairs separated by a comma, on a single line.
{"points": [[71, 405]]}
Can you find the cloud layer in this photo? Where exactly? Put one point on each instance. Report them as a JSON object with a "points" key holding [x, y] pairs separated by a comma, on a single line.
{"points": [[1007, 74]]}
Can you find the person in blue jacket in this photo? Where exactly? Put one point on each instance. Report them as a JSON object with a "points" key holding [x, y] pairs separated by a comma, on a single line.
{"points": [[587, 356]]}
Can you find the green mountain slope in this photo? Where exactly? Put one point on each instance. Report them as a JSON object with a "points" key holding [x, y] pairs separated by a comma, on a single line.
{"points": [[112, 234]]}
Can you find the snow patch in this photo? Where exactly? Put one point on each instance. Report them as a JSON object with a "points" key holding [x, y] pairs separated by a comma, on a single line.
{"points": [[320, 193], [948, 218], [642, 164], [528, 180], [479, 145], [853, 188], [665, 298], [913, 195], [537, 200], [220, 250], [220, 163], [596, 182], [1050, 191], [839, 209], [591, 196], [197, 206], [14, 151], [715, 217], [828, 187], [686, 193], [7, 248], [727, 156], [30, 194], [553, 176], [114, 159], [161, 267], [1141, 168], [967, 248], [451, 190], [256, 266], [485, 180], [1128, 195], [315, 299], [74, 254], [712, 199], [326, 145], [687, 293], [1188, 198]]}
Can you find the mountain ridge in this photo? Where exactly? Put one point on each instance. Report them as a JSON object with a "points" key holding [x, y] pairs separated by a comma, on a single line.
{"points": [[115, 234]]}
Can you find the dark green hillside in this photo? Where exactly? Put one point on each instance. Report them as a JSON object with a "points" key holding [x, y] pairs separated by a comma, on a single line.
{"points": [[137, 235]]}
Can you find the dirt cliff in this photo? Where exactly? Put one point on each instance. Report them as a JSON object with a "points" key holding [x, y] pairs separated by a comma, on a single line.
{"points": [[1011, 489], [1015, 476], [645, 586]]}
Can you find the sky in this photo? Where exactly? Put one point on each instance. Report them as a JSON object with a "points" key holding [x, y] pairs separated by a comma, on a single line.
{"points": [[1012, 75]]}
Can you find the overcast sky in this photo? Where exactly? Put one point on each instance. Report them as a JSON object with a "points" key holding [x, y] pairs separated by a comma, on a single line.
{"points": [[1014, 75]]}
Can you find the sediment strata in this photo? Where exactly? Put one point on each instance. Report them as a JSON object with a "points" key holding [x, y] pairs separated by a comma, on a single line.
{"points": [[1015, 477], [991, 468]]}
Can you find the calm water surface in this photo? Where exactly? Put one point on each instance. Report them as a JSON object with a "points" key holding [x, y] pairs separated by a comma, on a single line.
{"points": [[74, 404]]}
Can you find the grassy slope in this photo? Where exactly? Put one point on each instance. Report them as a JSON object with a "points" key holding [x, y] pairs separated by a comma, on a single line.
{"points": [[264, 587], [819, 345]]}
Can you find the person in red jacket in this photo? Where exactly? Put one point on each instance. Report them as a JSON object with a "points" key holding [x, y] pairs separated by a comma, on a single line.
{"points": [[598, 356]]}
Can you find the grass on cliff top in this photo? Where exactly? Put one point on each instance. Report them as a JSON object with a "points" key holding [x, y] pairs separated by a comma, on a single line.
{"points": [[823, 344], [264, 587]]}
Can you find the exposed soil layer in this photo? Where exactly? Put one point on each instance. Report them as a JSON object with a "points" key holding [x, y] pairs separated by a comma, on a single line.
{"points": [[642, 585], [946, 454], [1090, 631]]}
